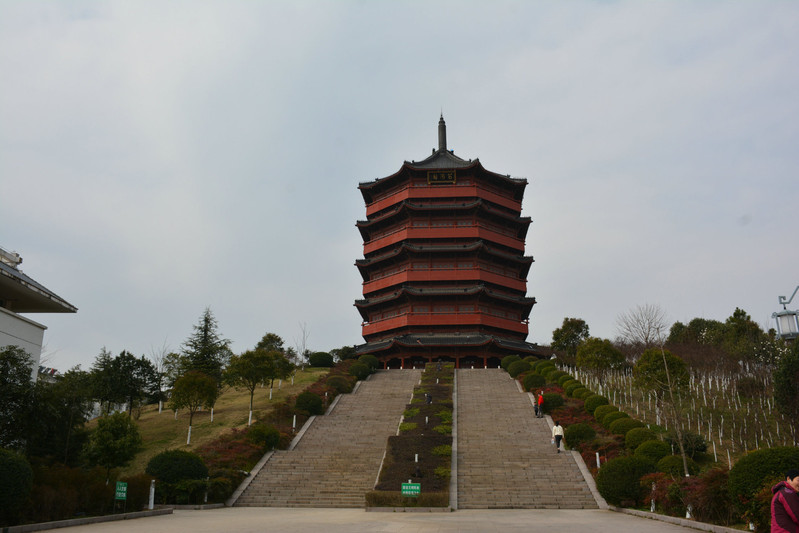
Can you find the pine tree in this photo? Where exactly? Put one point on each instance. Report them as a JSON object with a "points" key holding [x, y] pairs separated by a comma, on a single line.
{"points": [[205, 349]]}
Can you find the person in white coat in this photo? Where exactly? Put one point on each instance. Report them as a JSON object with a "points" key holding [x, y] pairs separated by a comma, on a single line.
{"points": [[557, 435]]}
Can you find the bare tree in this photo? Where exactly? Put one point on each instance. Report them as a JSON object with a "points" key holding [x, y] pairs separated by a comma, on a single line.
{"points": [[301, 343], [644, 327], [158, 356]]}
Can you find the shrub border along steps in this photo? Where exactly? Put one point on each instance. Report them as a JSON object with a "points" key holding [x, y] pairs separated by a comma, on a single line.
{"points": [[230, 502]]}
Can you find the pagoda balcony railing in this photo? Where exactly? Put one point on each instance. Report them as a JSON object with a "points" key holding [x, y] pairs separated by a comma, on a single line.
{"points": [[447, 232], [437, 191], [445, 274], [411, 319]]}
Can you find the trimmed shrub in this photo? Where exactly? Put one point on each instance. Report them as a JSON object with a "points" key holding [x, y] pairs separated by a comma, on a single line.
{"points": [[16, 482], [310, 403], [602, 410], [623, 425], [266, 436], [653, 450], [339, 383], [751, 470], [565, 378], [320, 359], [370, 361], [618, 480], [637, 436], [553, 377], [542, 364], [360, 370], [172, 466], [517, 367], [534, 381], [552, 401], [581, 393], [594, 401], [576, 434], [508, 360], [672, 465], [571, 387], [611, 417]]}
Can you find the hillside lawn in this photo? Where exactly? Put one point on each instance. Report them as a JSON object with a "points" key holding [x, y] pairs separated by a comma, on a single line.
{"points": [[161, 432]]}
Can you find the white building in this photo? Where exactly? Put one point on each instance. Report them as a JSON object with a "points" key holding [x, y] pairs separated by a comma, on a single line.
{"points": [[19, 293]]}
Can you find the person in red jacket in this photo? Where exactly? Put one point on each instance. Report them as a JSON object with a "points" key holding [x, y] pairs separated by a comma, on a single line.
{"points": [[540, 413], [785, 504]]}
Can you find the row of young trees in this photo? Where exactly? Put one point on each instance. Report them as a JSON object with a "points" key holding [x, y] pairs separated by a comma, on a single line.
{"points": [[670, 362]]}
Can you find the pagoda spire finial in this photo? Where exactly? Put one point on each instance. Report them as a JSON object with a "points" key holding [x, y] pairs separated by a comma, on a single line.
{"points": [[442, 134]]}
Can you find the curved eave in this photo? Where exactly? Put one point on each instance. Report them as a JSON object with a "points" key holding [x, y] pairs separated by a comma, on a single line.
{"points": [[23, 294], [429, 341], [440, 161]]}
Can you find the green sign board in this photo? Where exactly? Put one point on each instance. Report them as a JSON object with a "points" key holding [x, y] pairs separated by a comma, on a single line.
{"points": [[411, 489], [122, 491]]}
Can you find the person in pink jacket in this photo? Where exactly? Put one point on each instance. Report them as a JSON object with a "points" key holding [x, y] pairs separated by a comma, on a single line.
{"points": [[785, 504]]}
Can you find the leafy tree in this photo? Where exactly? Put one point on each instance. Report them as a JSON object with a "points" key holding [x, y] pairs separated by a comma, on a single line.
{"points": [[205, 349], [249, 370], [599, 354], [569, 335], [786, 387], [16, 482], [104, 381], [55, 419], [343, 353], [743, 336], [271, 342], [191, 391], [113, 443], [136, 379], [175, 365], [698, 331], [16, 394]]}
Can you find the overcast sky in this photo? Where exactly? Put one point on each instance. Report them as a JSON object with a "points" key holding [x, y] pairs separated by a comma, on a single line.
{"points": [[158, 158]]}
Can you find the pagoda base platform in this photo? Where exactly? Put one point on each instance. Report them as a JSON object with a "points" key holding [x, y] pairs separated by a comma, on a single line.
{"points": [[466, 351]]}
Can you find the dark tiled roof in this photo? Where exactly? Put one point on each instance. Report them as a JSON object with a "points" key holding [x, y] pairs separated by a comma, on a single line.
{"points": [[449, 340], [27, 295]]}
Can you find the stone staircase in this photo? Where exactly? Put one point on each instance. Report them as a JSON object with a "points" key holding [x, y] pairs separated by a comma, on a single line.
{"points": [[337, 460], [505, 458]]}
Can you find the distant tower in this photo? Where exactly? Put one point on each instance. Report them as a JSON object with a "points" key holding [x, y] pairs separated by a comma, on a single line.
{"points": [[444, 271]]}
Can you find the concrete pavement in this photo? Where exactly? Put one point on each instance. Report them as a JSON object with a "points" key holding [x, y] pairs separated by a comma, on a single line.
{"points": [[259, 519]]}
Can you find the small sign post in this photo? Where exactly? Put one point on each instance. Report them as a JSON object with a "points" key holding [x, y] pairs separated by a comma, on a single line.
{"points": [[411, 489], [121, 493]]}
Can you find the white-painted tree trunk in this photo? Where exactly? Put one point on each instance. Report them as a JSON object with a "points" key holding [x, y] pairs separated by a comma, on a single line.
{"points": [[160, 406], [212, 414], [270, 393], [188, 440], [176, 414], [249, 420]]}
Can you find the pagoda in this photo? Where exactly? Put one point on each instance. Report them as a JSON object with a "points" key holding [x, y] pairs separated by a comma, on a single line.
{"points": [[444, 271]]}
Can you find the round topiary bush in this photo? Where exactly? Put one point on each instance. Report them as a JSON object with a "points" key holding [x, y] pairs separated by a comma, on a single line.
{"points": [[637, 436], [653, 450], [310, 403], [16, 482], [173, 466], [543, 364], [623, 425], [552, 400], [581, 393], [618, 480], [571, 387], [594, 401], [370, 361], [576, 434], [554, 376], [508, 360], [751, 470], [339, 383], [564, 379], [265, 435], [602, 410], [320, 359], [611, 417], [360, 370], [673, 466], [517, 367], [534, 381]]}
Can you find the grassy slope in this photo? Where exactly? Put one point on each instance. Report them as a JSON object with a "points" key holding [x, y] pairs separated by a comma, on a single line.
{"points": [[162, 432]]}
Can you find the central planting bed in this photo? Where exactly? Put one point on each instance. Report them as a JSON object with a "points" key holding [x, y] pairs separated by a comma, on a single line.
{"points": [[422, 451]]}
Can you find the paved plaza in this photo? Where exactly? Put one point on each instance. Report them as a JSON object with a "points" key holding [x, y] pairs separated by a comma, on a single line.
{"points": [[259, 519]]}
